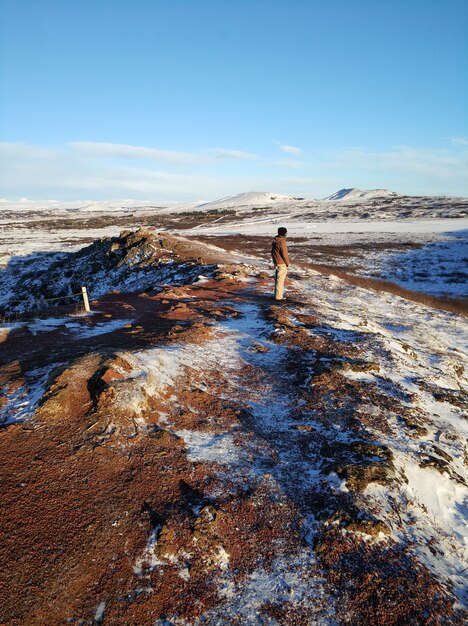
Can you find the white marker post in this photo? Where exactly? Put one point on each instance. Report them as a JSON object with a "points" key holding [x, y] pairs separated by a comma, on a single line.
{"points": [[85, 299]]}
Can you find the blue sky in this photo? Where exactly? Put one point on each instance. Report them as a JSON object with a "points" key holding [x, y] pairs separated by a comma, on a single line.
{"points": [[197, 99]]}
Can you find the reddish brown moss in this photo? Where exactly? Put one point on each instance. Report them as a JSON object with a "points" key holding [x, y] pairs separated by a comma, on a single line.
{"points": [[382, 584]]}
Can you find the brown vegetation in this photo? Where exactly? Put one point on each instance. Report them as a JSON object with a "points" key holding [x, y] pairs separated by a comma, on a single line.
{"points": [[103, 503], [382, 584]]}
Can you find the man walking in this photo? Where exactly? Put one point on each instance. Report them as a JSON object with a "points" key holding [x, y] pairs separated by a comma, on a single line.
{"points": [[279, 253]]}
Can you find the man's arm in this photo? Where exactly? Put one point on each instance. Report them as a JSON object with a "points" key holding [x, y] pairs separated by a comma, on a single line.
{"points": [[284, 252]]}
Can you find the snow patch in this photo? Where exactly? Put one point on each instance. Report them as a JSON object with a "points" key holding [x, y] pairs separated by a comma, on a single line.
{"points": [[212, 448], [148, 561], [21, 404], [442, 498], [99, 614]]}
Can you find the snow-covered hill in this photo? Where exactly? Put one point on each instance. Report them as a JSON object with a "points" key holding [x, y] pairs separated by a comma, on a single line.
{"points": [[251, 199], [359, 194], [90, 206], [245, 200]]}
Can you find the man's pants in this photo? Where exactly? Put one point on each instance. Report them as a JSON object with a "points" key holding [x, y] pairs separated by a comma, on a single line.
{"points": [[280, 275]]}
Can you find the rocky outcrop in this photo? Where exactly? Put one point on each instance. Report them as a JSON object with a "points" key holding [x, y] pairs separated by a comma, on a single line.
{"points": [[133, 261]]}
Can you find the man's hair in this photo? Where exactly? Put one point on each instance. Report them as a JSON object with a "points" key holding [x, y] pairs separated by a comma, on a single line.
{"points": [[282, 231]]}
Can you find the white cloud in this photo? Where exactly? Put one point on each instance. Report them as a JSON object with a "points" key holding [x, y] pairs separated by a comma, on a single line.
{"points": [[90, 170], [434, 163], [169, 157], [290, 149], [136, 152], [459, 141], [223, 153], [26, 151], [72, 173]]}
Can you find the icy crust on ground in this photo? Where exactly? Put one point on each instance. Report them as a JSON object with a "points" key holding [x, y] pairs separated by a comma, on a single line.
{"points": [[79, 328], [440, 268], [423, 357], [288, 581], [17, 242], [19, 404]]}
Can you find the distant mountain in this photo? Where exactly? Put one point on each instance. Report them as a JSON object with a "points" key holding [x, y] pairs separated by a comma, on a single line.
{"points": [[90, 206], [359, 194], [248, 199]]}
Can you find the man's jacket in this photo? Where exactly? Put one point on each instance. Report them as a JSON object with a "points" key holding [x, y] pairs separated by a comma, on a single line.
{"points": [[279, 251]]}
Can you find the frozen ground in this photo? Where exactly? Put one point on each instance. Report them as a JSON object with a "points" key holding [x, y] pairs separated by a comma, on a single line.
{"points": [[440, 267], [345, 407], [200, 455]]}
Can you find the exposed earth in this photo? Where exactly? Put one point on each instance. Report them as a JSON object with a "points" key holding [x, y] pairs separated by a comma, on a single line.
{"points": [[192, 452]]}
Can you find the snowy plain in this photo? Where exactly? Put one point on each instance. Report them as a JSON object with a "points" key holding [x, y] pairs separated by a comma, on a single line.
{"points": [[436, 226]]}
